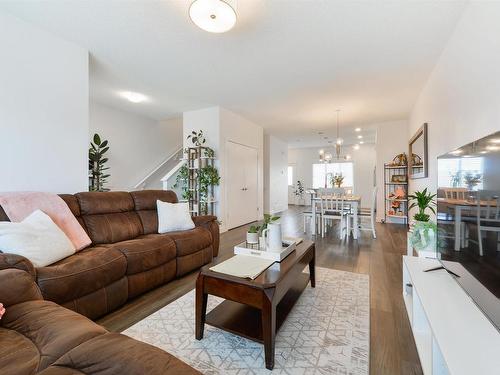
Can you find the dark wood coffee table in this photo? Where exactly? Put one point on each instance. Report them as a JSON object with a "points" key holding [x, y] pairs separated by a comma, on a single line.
{"points": [[255, 309]]}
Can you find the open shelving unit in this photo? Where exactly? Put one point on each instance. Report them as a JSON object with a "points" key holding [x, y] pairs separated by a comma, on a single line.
{"points": [[390, 186], [196, 160]]}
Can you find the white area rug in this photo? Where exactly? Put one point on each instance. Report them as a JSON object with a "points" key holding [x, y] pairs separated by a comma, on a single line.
{"points": [[327, 332]]}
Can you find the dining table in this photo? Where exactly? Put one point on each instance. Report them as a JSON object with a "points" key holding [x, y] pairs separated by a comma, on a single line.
{"points": [[354, 201], [460, 205]]}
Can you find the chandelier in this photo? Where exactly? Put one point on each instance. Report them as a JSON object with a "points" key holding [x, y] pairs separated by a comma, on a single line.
{"points": [[327, 157]]}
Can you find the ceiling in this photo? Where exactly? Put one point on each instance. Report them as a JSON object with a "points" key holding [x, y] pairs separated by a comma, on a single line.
{"points": [[287, 65]]}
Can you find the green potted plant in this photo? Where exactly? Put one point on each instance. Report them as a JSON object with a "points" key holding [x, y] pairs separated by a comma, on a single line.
{"points": [[253, 234], [423, 232], [97, 164], [423, 200]]}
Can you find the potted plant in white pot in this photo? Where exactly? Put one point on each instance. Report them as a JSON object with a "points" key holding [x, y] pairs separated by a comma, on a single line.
{"points": [[423, 234], [253, 234]]}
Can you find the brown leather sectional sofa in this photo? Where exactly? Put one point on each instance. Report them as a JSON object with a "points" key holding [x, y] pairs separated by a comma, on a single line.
{"points": [[127, 256], [41, 337]]}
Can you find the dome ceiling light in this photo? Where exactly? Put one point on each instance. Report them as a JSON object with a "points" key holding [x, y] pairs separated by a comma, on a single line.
{"points": [[214, 16]]}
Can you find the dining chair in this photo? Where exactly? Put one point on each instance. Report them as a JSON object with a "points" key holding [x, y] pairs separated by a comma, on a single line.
{"points": [[455, 193], [365, 213], [308, 215], [488, 217], [334, 208]]}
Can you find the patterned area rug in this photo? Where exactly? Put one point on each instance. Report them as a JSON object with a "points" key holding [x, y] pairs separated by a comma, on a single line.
{"points": [[327, 332]]}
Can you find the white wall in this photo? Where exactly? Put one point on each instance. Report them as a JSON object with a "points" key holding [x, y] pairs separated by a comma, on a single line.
{"points": [[461, 99], [392, 139], [43, 110], [364, 161], [137, 144], [275, 174], [220, 126]]}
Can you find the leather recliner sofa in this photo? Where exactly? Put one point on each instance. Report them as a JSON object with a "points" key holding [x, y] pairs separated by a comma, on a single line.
{"points": [[127, 257], [41, 337]]}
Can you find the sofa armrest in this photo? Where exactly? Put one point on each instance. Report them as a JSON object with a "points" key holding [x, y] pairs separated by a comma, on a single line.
{"points": [[17, 286], [210, 222], [204, 219], [17, 261]]}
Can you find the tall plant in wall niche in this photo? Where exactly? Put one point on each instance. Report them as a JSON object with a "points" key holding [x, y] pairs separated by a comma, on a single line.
{"points": [[97, 164]]}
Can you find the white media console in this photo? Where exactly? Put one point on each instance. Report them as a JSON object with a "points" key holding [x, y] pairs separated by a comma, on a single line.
{"points": [[451, 333]]}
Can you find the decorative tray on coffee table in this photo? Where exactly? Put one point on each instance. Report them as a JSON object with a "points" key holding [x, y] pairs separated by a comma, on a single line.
{"points": [[288, 244]]}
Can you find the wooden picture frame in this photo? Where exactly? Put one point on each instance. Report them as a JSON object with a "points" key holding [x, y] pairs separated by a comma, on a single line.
{"points": [[418, 153]]}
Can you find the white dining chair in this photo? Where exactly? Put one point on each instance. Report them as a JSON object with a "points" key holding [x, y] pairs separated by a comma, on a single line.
{"points": [[334, 209], [307, 215], [367, 213], [488, 218]]}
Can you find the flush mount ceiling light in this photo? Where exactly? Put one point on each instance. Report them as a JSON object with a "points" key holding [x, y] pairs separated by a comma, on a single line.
{"points": [[356, 147], [134, 97], [357, 129], [214, 16], [360, 136]]}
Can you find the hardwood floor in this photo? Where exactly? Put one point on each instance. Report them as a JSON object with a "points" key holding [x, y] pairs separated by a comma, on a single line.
{"points": [[392, 349]]}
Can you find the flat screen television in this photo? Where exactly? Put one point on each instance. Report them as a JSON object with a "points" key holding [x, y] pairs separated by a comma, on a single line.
{"points": [[468, 218]]}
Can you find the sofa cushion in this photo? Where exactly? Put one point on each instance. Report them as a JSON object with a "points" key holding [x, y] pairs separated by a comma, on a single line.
{"points": [[146, 252], [18, 355], [145, 206], [146, 199], [191, 241], [112, 228], [81, 273], [113, 354], [53, 329], [93, 202]]}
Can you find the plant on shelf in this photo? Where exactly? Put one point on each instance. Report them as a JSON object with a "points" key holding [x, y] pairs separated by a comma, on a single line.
{"points": [[423, 200], [181, 180], [208, 152], [337, 180], [197, 138], [97, 164], [207, 176]]}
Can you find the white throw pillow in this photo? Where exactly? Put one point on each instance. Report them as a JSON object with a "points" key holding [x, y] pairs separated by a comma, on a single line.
{"points": [[173, 216], [37, 238]]}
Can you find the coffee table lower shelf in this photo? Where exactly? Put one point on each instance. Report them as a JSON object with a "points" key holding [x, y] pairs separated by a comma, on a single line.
{"points": [[246, 321]]}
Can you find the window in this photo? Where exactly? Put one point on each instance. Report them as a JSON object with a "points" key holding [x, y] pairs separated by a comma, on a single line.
{"points": [[290, 175], [322, 173], [452, 172]]}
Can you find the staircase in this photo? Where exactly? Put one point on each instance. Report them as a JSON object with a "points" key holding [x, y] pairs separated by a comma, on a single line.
{"points": [[164, 174]]}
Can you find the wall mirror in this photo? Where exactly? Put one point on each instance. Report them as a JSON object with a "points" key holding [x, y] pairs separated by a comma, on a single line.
{"points": [[417, 154]]}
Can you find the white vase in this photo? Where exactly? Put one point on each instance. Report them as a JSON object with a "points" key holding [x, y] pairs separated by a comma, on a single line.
{"points": [[274, 238]]}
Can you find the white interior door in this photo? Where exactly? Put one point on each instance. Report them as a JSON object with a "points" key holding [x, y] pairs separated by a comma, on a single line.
{"points": [[242, 184]]}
